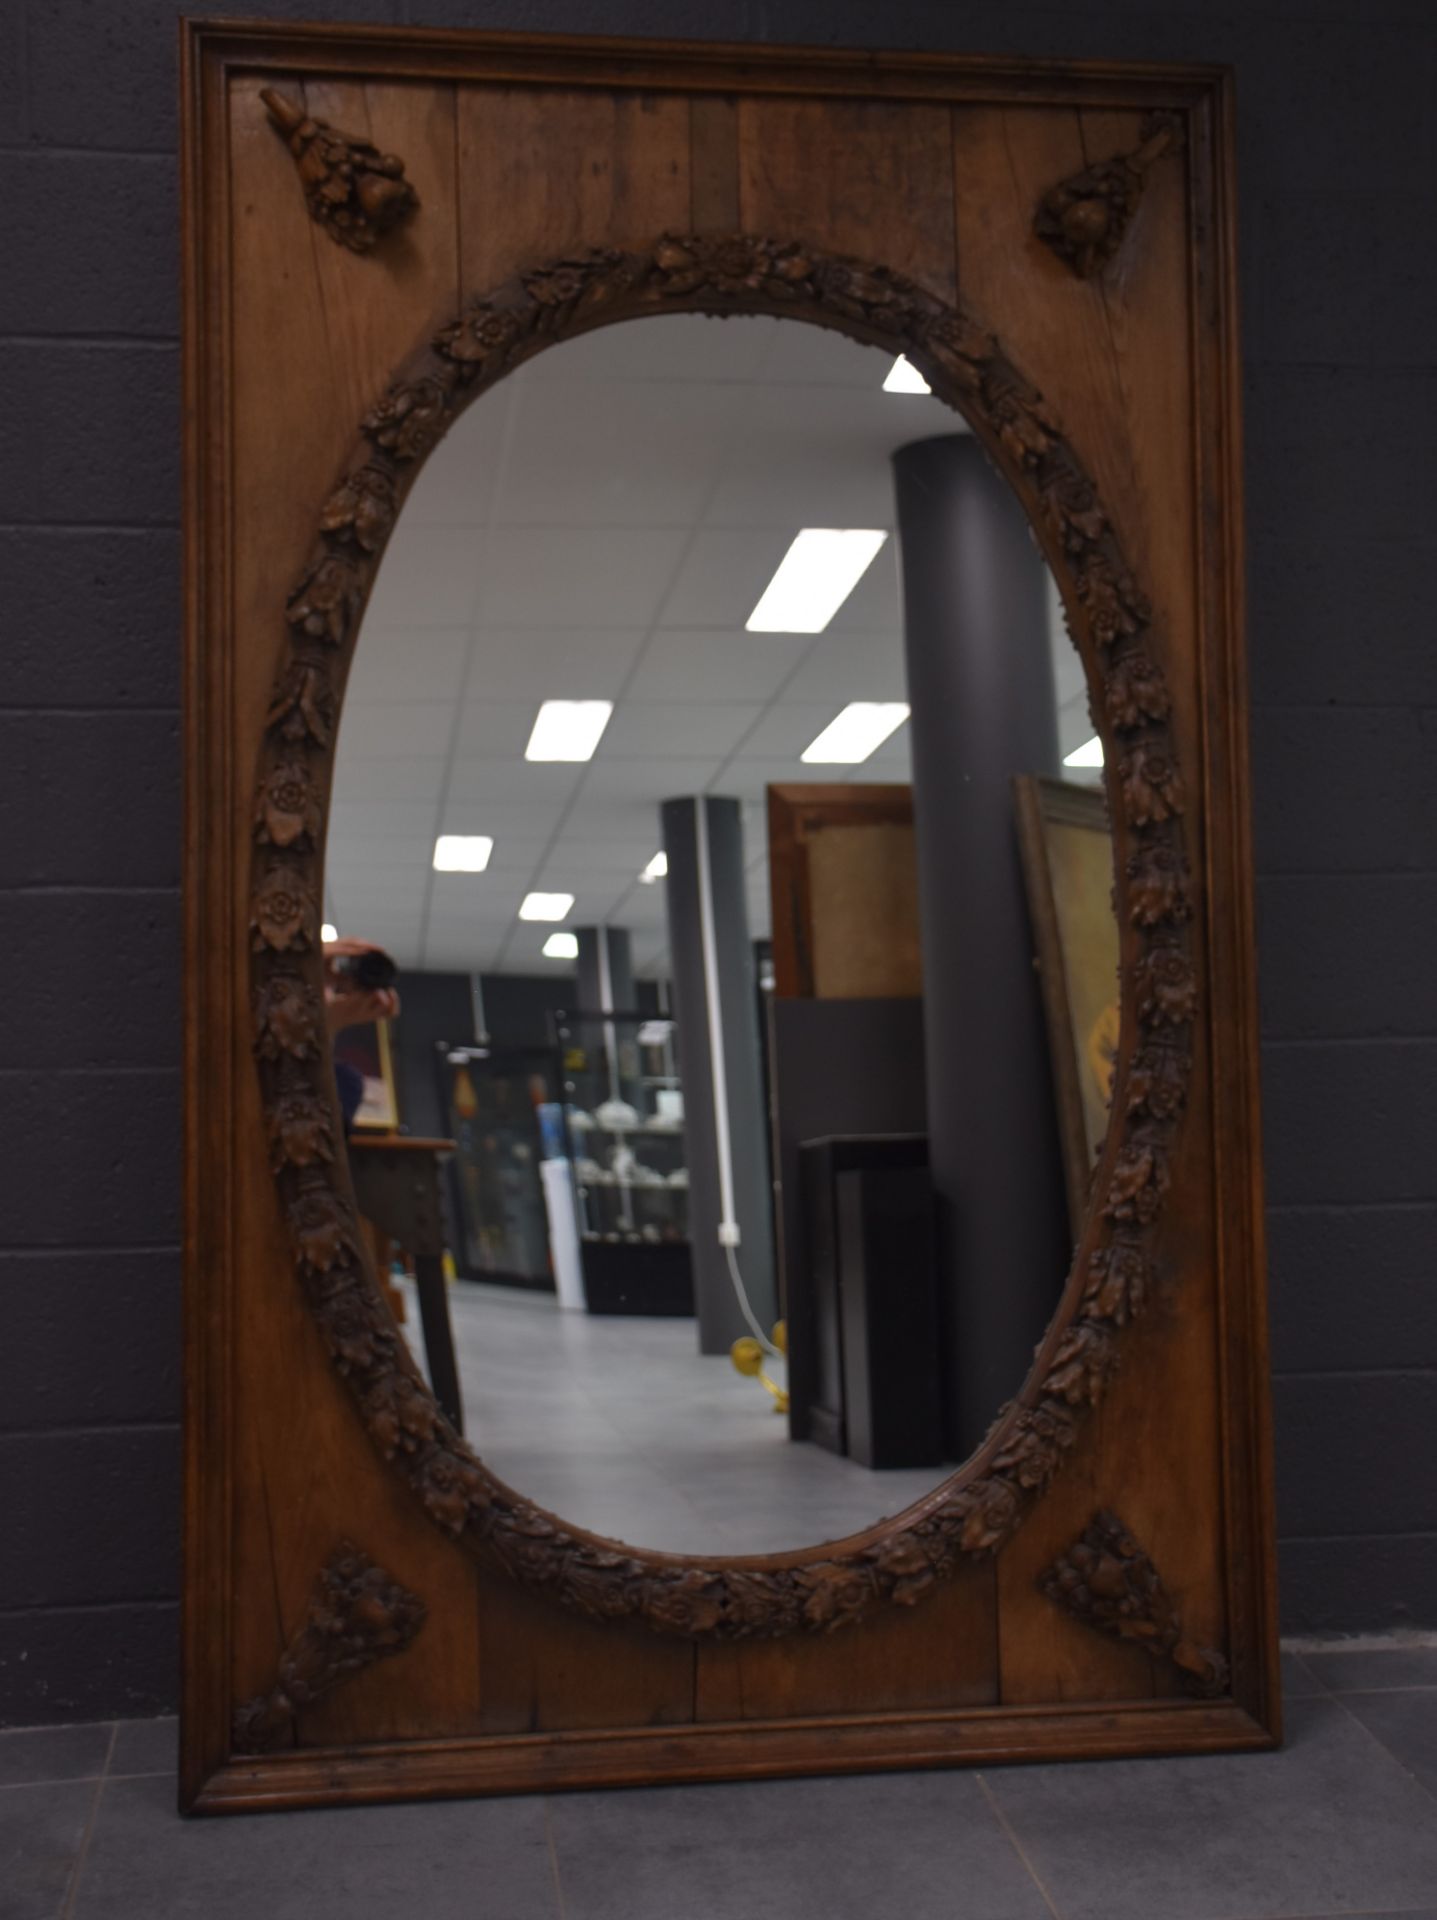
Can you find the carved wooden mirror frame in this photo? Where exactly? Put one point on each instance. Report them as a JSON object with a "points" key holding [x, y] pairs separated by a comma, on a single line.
{"points": [[1097, 1577]]}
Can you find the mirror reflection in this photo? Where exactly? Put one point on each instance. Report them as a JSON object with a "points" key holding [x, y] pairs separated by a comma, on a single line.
{"points": [[719, 935]]}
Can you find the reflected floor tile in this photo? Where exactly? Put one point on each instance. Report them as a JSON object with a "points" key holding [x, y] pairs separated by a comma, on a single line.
{"points": [[453, 1860], [41, 1829], [1326, 1825], [579, 1410], [874, 1847], [31, 1754]]}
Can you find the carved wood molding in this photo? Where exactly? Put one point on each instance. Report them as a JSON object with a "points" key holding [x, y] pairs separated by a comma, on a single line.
{"points": [[357, 1614], [978, 1507], [1106, 1581], [355, 192], [1084, 218]]}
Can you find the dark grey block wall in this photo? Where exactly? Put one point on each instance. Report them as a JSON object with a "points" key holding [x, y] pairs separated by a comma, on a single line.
{"points": [[1337, 173]]}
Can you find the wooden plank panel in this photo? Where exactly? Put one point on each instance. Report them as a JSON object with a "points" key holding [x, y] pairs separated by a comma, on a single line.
{"points": [[940, 1653], [317, 332], [543, 1668], [548, 172], [714, 185], [854, 177], [1113, 355]]}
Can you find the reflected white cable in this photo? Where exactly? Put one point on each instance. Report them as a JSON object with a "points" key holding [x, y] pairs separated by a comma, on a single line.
{"points": [[728, 1225]]}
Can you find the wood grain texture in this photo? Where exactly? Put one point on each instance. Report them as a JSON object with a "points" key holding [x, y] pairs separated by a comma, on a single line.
{"points": [[932, 166]]}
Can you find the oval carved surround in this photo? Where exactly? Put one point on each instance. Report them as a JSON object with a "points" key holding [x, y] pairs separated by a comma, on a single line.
{"points": [[981, 1504]]}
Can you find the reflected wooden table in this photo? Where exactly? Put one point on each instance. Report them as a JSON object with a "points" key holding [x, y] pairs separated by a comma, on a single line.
{"points": [[397, 1183]]}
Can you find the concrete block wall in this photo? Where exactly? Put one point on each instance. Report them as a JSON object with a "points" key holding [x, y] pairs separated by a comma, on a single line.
{"points": [[1336, 181]]}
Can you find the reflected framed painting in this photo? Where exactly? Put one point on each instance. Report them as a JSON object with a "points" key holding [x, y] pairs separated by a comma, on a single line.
{"points": [[1066, 847]]}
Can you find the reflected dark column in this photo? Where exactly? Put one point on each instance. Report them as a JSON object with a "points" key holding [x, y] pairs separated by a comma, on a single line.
{"points": [[605, 969], [709, 947], [980, 683]]}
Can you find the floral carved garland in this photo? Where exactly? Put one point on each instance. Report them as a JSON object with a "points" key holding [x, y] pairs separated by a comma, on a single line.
{"points": [[981, 1505]]}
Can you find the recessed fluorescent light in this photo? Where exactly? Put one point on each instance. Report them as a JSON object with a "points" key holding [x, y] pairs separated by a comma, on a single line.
{"points": [[462, 852], [568, 729], [545, 906], [328, 933], [656, 869], [561, 946], [859, 730], [814, 578], [904, 377], [1090, 754]]}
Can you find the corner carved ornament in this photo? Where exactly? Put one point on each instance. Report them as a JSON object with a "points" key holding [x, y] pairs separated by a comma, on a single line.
{"points": [[357, 1614], [1106, 1581], [978, 1508], [355, 192], [1085, 217]]}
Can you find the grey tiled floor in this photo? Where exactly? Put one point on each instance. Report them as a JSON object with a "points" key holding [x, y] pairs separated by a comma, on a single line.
{"points": [[622, 1426], [1343, 1821]]}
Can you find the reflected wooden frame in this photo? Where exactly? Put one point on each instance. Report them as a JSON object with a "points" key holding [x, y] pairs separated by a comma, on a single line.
{"points": [[1116, 1271]]}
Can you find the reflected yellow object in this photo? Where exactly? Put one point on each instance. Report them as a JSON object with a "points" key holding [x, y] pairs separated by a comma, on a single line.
{"points": [[1103, 1048], [747, 1356]]}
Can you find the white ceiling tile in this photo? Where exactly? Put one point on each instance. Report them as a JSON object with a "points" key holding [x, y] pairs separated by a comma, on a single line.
{"points": [[384, 730], [497, 730], [412, 777], [539, 789], [457, 483], [562, 469], [406, 663], [787, 728], [851, 666], [581, 577], [362, 816], [798, 351], [476, 896], [631, 782], [723, 573], [642, 730], [723, 664], [541, 664], [429, 577]]}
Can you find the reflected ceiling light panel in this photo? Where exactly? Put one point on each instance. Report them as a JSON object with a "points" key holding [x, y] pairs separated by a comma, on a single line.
{"points": [[814, 578], [859, 730], [545, 906], [657, 868], [561, 946], [1090, 754], [462, 852], [328, 933], [568, 729], [904, 377]]}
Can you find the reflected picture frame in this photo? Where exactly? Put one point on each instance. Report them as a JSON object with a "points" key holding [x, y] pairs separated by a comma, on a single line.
{"points": [[1065, 846]]}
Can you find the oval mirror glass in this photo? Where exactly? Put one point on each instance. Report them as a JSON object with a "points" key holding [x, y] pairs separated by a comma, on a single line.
{"points": [[720, 948]]}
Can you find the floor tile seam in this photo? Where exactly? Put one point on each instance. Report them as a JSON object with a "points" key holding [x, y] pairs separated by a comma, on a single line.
{"points": [[1391, 1753], [1011, 1837], [1347, 1913], [84, 1779], [553, 1846], [82, 1852], [1386, 1693]]}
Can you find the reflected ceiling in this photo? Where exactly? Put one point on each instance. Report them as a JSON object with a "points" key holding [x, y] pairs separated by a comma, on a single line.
{"points": [[600, 526]]}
